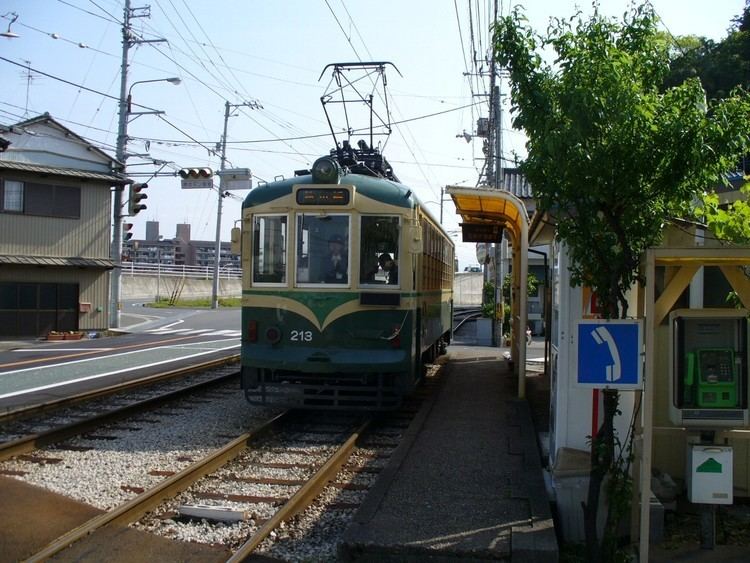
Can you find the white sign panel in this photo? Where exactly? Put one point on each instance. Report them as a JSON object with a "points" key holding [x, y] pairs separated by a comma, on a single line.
{"points": [[197, 184]]}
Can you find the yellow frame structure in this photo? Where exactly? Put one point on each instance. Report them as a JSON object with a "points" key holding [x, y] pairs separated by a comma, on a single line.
{"points": [[681, 265]]}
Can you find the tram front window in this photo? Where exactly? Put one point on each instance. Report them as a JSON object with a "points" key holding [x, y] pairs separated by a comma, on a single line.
{"points": [[323, 249], [379, 251]]}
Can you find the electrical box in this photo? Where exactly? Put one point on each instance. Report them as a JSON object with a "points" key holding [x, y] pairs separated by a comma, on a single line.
{"points": [[709, 474], [709, 368]]}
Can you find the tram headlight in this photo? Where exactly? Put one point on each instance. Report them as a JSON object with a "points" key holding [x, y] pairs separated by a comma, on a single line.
{"points": [[326, 170], [273, 334]]}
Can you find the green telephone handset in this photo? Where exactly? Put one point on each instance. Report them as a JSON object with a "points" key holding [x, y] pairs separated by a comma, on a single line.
{"points": [[690, 374]]}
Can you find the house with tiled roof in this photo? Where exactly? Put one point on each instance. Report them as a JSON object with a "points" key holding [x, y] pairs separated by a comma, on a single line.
{"points": [[55, 229]]}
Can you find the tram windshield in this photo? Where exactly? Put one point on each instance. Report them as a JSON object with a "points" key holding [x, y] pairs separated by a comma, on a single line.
{"points": [[323, 249], [379, 252]]}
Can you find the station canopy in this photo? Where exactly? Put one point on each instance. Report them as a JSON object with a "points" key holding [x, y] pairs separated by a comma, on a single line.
{"points": [[481, 207]]}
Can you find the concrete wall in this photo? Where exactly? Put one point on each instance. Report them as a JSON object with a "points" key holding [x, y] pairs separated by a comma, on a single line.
{"points": [[147, 287], [467, 289]]}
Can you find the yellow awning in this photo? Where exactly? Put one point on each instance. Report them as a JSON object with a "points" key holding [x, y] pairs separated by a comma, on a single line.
{"points": [[484, 205]]}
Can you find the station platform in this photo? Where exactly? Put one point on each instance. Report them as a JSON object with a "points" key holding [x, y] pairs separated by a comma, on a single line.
{"points": [[466, 483]]}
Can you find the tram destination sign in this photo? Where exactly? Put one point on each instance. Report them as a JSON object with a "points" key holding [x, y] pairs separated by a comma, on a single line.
{"points": [[322, 196], [482, 232]]}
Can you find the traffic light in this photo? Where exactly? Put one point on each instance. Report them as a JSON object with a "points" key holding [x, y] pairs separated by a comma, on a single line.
{"points": [[196, 178], [126, 234], [136, 195], [195, 173]]}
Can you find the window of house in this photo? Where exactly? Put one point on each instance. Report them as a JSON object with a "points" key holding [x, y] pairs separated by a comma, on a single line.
{"points": [[47, 200], [52, 201], [12, 196]]}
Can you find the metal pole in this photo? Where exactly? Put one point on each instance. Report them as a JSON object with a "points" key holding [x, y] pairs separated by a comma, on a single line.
{"points": [[217, 258], [121, 156], [158, 272], [442, 195], [217, 248], [498, 184]]}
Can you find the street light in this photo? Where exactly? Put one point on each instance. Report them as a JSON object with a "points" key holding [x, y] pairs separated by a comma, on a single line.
{"points": [[172, 80], [122, 157], [10, 34], [440, 203]]}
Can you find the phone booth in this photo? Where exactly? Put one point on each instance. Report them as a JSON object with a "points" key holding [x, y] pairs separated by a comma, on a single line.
{"points": [[709, 368]]}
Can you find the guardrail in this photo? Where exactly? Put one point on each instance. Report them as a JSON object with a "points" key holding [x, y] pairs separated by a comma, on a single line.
{"points": [[179, 271]]}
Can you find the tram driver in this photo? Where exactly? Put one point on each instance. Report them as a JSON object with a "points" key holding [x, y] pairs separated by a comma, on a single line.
{"points": [[336, 264]]}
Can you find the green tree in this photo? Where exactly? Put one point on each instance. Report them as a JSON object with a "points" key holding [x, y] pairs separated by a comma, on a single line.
{"points": [[729, 222], [721, 66], [612, 156]]}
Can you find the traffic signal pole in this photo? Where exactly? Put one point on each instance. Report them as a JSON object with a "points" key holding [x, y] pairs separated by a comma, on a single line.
{"points": [[120, 155], [217, 248], [128, 40]]}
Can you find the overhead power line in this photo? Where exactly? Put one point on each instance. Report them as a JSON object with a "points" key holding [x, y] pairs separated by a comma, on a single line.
{"points": [[81, 86], [247, 142]]}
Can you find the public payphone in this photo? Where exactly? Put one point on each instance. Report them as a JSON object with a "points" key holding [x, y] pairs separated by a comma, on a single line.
{"points": [[709, 368]]}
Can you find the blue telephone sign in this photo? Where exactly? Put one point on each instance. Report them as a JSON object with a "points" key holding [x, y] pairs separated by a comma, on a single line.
{"points": [[609, 353]]}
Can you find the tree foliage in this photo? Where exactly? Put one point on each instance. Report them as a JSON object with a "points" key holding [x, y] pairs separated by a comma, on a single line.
{"points": [[611, 155], [729, 222], [721, 66]]}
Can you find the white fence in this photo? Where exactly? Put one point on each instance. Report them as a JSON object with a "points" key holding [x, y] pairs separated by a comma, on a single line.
{"points": [[179, 271]]}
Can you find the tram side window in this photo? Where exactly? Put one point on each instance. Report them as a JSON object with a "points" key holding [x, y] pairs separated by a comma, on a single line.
{"points": [[379, 251], [269, 249], [323, 250]]}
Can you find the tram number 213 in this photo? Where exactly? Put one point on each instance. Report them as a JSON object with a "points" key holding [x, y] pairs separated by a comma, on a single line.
{"points": [[301, 336]]}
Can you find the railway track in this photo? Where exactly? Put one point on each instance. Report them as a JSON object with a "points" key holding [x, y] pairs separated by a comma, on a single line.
{"points": [[263, 476], [41, 425], [27, 412]]}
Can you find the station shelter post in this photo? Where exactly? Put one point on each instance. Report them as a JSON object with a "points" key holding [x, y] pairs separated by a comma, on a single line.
{"points": [[484, 207]]}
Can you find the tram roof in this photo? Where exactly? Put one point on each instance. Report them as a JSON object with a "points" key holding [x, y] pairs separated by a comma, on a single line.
{"points": [[380, 189]]}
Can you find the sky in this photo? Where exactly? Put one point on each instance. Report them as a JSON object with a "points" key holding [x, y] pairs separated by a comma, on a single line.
{"points": [[271, 54]]}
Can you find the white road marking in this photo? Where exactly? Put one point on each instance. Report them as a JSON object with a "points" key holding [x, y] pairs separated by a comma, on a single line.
{"points": [[63, 349], [87, 378]]}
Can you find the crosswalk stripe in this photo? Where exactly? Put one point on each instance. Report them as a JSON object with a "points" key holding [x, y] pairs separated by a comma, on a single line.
{"points": [[196, 332]]}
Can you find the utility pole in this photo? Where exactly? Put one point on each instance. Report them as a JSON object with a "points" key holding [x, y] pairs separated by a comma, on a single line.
{"points": [[121, 155], [495, 177], [217, 249]]}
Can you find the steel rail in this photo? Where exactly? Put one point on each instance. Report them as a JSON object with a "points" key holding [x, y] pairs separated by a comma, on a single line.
{"points": [[34, 441], [304, 496], [23, 412], [170, 487], [469, 317]]}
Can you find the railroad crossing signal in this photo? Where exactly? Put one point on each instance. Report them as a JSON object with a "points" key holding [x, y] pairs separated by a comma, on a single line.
{"points": [[196, 178], [126, 234], [136, 196]]}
